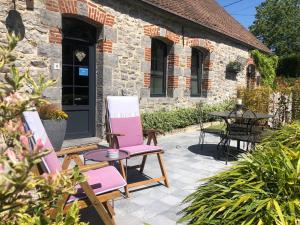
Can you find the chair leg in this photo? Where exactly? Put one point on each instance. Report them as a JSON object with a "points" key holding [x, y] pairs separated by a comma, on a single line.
{"points": [[110, 210], [124, 175], [143, 163], [162, 168], [201, 139]]}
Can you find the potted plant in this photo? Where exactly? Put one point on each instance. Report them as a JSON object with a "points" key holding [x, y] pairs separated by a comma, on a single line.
{"points": [[55, 123], [234, 67]]}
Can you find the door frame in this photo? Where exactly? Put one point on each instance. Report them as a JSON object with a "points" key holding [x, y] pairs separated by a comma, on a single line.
{"points": [[92, 94]]}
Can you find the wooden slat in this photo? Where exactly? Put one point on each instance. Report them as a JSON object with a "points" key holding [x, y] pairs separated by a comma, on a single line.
{"points": [[145, 182], [77, 149]]}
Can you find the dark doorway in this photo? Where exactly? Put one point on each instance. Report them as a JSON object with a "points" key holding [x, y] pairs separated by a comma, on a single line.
{"points": [[78, 77]]}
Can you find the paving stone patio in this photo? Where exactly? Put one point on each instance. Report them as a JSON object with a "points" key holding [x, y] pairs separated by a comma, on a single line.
{"points": [[156, 204]]}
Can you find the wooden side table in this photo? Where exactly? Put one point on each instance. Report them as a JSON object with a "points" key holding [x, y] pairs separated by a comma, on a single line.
{"points": [[100, 155]]}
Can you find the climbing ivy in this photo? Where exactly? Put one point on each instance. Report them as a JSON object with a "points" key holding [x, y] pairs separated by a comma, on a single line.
{"points": [[266, 66]]}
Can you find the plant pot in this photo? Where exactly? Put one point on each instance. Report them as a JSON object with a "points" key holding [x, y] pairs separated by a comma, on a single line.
{"points": [[56, 130]]}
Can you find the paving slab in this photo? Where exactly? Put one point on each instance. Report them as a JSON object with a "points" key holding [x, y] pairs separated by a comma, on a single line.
{"points": [[186, 165]]}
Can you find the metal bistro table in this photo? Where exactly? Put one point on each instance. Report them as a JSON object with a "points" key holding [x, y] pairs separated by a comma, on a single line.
{"points": [[230, 115], [100, 155]]}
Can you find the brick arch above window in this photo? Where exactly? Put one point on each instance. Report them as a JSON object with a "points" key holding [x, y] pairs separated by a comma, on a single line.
{"points": [[86, 8], [200, 43], [163, 34]]}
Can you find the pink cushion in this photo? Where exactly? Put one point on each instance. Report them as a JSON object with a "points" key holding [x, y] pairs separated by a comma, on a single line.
{"points": [[34, 124], [139, 149], [131, 127], [101, 180], [51, 160]]}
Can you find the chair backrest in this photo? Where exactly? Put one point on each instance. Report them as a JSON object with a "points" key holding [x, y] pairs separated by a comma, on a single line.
{"points": [[241, 121], [34, 124], [124, 118]]}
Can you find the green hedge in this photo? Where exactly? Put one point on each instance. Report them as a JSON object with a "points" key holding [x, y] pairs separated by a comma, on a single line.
{"points": [[289, 66], [181, 117]]}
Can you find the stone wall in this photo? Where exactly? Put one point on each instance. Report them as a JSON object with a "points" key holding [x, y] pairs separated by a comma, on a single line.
{"points": [[123, 58]]}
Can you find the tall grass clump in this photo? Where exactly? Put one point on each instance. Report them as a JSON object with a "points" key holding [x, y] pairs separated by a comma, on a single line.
{"points": [[262, 188]]}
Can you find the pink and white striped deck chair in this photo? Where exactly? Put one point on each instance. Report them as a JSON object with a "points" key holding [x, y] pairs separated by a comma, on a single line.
{"points": [[125, 132], [102, 182]]}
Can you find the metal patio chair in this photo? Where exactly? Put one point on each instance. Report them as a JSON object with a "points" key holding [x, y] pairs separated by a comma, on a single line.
{"points": [[241, 128], [102, 181]]}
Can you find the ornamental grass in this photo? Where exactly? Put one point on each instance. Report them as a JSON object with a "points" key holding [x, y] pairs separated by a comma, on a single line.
{"points": [[261, 188]]}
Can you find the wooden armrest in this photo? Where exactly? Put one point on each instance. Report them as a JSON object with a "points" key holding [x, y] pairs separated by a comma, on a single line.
{"points": [[88, 167], [155, 131], [113, 134], [76, 150]]}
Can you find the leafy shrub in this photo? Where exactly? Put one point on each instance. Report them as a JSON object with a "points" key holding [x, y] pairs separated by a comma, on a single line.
{"points": [[261, 188], [256, 99], [266, 66], [289, 66], [181, 117], [51, 112], [26, 198]]}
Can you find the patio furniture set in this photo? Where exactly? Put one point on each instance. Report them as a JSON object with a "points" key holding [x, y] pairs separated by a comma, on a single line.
{"points": [[241, 125], [103, 180], [125, 137]]}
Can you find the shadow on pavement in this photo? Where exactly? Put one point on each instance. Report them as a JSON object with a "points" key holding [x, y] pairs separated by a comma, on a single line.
{"points": [[211, 150]]}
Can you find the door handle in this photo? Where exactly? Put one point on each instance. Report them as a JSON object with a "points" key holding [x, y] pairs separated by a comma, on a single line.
{"points": [[77, 99]]}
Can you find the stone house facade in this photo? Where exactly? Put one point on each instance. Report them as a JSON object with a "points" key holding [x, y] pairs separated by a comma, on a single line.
{"points": [[189, 56]]}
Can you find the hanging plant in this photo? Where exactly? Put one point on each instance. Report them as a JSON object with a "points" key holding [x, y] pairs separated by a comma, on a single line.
{"points": [[234, 67]]}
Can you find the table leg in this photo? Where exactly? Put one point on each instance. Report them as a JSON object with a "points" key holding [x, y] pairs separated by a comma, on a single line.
{"points": [[124, 175]]}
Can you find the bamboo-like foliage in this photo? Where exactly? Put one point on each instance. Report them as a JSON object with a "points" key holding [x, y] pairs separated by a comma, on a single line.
{"points": [[257, 99], [261, 188]]}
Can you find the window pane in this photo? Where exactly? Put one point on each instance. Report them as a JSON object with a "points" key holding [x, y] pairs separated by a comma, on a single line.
{"points": [[194, 87], [81, 76], [81, 56], [67, 75], [67, 52], [196, 72], [158, 67], [81, 96], [156, 85], [67, 96]]}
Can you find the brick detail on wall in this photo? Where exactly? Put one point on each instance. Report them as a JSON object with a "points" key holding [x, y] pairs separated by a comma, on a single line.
{"points": [[173, 37], [105, 46], [151, 30], [250, 61], [207, 84], [173, 60], [189, 62], [173, 81], [55, 36], [95, 11], [154, 31], [188, 82], [147, 54], [52, 5], [208, 65], [197, 42], [147, 80]]}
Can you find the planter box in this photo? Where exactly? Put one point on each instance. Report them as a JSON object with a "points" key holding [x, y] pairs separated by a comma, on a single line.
{"points": [[56, 130]]}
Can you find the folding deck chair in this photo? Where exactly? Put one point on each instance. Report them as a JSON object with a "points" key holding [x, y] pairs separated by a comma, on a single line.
{"points": [[102, 181], [124, 132]]}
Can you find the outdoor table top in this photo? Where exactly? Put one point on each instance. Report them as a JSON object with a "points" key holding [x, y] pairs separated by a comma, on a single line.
{"points": [[227, 114], [100, 155]]}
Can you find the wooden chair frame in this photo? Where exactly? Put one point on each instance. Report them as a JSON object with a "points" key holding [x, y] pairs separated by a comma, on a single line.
{"points": [[151, 135], [100, 202]]}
